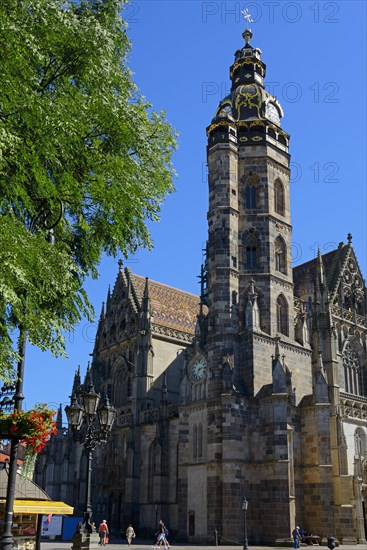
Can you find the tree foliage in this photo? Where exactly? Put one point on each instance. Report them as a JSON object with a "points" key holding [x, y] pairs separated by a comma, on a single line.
{"points": [[73, 128]]}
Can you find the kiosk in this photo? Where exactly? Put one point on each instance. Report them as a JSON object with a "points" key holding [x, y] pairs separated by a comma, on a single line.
{"points": [[30, 504]]}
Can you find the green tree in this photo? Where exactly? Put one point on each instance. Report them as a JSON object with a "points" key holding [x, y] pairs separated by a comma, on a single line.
{"points": [[73, 128]]}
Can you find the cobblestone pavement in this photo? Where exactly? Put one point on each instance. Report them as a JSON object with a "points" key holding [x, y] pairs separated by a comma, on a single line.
{"points": [[119, 545]]}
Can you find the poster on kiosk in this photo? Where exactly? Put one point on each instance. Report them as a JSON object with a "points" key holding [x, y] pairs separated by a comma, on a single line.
{"points": [[51, 526]]}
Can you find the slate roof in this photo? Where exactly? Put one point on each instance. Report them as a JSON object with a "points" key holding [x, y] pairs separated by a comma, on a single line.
{"points": [[170, 307], [331, 261]]}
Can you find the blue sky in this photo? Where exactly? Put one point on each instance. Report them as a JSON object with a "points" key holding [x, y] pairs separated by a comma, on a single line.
{"points": [[315, 54]]}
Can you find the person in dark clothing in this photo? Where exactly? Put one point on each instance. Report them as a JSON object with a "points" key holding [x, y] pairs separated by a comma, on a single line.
{"points": [[162, 534], [296, 537]]}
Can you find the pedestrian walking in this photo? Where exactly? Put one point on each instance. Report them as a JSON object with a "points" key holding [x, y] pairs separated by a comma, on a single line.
{"points": [[296, 537], [162, 535], [130, 534], [103, 533]]}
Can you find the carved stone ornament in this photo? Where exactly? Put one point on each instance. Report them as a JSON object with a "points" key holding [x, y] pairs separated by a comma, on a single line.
{"points": [[350, 358]]}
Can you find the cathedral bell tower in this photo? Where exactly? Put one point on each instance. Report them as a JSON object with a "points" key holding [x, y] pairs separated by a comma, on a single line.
{"points": [[249, 264]]}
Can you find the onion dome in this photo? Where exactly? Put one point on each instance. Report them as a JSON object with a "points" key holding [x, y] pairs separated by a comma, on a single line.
{"points": [[249, 106], [248, 99]]}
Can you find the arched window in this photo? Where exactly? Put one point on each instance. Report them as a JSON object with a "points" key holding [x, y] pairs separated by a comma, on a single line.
{"points": [[65, 470], [340, 337], [279, 197], [251, 252], [251, 196], [359, 442], [195, 442], [352, 370], [130, 462], [347, 299], [129, 386], [280, 255], [200, 441], [120, 389], [191, 524], [251, 191], [282, 315], [359, 304], [154, 467], [50, 472]]}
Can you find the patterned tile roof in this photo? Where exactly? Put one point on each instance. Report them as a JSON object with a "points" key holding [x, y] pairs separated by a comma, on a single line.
{"points": [[331, 261], [170, 307]]}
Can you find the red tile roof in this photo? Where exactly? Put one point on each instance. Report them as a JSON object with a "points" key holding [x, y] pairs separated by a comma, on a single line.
{"points": [[170, 307]]}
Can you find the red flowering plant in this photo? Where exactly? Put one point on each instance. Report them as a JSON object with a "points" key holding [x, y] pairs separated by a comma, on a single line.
{"points": [[34, 428]]}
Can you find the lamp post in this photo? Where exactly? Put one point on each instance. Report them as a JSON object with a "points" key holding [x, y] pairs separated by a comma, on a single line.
{"points": [[86, 410], [45, 219], [244, 508]]}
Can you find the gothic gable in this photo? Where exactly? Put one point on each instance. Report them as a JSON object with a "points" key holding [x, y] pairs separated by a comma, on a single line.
{"points": [[119, 320], [348, 291], [344, 279]]}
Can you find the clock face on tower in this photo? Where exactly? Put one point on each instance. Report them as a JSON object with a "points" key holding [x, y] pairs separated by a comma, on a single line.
{"points": [[198, 369], [272, 113]]}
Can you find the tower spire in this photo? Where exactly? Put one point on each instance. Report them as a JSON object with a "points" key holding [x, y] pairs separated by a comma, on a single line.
{"points": [[59, 420], [88, 382], [145, 313], [77, 382], [247, 34]]}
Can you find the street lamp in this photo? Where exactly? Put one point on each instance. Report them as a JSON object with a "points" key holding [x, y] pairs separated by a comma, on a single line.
{"points": [[244, 508], [88, 409], [46, 219]]}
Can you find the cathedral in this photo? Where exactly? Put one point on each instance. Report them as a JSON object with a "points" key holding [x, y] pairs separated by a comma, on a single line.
{"points": [[257, 388]]}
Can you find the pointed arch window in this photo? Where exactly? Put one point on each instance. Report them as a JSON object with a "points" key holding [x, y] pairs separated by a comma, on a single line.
{"points": [[50, 471], [280, 255], [154, 467], [119, 391], [251, 196], [279, 197], [282, 315], [129, 462], [360, 442], [65, 470], [195, 442], [348, 299], [251, 191], [352, 370], [340, 336], [129, 386], [200, 441], [252, 248], [360, 304]]}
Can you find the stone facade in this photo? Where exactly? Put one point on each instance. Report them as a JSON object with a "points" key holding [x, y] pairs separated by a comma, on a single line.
{"points": [[257, 388]]}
